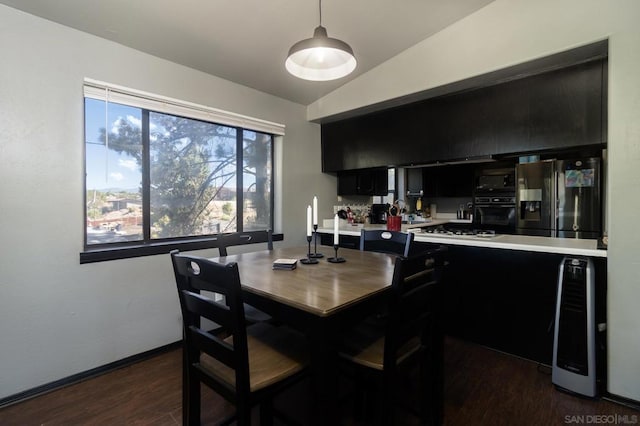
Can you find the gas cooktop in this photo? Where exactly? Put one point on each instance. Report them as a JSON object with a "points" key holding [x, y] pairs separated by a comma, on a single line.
{"points": [[446, 231]]}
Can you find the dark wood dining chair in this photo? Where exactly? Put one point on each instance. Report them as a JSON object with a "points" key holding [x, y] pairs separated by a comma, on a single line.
{"points": [[242, 238], [252, 314], [245, 365], [379, 349], [380, 240]]}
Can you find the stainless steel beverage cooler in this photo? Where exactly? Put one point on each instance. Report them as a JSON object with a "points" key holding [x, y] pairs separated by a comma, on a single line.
{"points": [[574, 343]]}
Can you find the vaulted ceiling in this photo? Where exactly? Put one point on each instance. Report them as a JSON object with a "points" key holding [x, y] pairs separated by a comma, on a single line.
{"points": [[246, 41]]}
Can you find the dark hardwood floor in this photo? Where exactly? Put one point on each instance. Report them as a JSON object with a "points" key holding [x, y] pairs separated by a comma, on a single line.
{"points": [[482, 387]]}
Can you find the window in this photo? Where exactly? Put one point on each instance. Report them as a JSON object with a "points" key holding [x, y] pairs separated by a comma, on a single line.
{"points": [[392, 195], [155, 177]]}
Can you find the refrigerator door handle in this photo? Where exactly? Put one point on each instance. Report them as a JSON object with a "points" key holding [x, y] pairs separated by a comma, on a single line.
{"points": [[555, 202], [576, 213]]}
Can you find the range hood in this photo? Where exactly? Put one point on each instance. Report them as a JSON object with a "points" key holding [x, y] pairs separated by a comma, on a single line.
{"points": [[465, 160]]}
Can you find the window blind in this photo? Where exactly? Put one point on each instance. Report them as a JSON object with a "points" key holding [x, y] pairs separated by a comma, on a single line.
{"points": [[123, 95]]}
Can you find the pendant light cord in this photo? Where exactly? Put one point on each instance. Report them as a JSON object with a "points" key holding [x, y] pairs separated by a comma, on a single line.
{"points": [[320, 7]]}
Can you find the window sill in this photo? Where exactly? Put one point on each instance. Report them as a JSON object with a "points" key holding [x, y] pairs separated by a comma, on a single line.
{"points": [[103, 254]]}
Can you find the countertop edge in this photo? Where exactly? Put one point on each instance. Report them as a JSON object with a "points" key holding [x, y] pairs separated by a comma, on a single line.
{"points": [[505, 242]]}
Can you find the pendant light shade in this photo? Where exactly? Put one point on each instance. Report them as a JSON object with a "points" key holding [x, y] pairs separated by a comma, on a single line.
{"points": [[320, 58]]}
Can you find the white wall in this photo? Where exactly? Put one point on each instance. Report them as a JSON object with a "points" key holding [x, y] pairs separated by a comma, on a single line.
{"points": [[58, 317], [508, 32]]}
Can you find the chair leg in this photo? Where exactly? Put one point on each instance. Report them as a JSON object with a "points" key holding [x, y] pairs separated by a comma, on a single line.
{"points": [[369, 389], [432, 385], [385, 401], [359, 396], [191, 401], [389, 395], [425, 390], [243, 413], [369, 404], [437, 370], [266, 413]]}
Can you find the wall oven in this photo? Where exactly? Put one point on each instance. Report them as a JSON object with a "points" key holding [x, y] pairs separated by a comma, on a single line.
{"points": [[496, 212], [494, 206]]}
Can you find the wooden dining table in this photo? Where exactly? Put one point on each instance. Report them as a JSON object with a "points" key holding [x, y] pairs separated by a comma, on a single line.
{"points": [[319, 300]]}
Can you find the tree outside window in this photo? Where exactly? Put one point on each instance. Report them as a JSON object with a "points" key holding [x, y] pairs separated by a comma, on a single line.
{"points": [[156, 176]]}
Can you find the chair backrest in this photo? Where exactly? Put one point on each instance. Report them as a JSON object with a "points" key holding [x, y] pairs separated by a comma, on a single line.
{"points": [[416, 297], [241, 238], [380, 240], [193, 275]]}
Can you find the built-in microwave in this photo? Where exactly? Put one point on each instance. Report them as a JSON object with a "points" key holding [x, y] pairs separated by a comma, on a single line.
{"points": [[496, 180]]}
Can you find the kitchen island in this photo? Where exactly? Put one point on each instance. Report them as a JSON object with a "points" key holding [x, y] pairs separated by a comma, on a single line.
{"points": [[500, 290]]}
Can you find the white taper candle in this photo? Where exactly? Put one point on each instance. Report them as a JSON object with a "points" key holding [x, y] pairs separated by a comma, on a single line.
{"points": [[315, 210]]}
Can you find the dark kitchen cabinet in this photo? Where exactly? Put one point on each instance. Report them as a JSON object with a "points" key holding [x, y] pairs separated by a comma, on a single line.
{"points": [[565, 107], [363, 182], [347, 183], [558, 109], [506, 299], [369, 141], [497, 298], [430, 182], [458, 181], [463, 125], [415, 181], [449, 181], [345, 241]]}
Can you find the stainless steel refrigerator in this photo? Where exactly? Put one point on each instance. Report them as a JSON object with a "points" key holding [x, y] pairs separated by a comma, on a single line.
{"points": [[559, 198]]}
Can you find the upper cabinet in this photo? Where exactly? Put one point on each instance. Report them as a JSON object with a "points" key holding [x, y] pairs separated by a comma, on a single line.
{"points": [[363, 182], [566, 107], [415, 181], [557, 109], [448, 181], [363, 142]]}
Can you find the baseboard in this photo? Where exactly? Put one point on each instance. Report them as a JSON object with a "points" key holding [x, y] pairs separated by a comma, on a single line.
{"points": [[627, 402], [79, 377]]}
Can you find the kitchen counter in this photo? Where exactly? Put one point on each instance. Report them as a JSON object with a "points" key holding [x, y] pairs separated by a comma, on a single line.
{"points": [[354, 230], [568, 246]]}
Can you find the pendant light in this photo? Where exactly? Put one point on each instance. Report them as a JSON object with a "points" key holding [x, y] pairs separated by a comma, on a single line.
{"points": [[320, 58]]}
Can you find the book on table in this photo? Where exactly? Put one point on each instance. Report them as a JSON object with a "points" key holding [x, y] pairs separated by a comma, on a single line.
{"points": [[288, 264]]}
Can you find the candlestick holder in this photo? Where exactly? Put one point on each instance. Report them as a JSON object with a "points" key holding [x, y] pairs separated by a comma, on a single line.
{"points": [[336, 259], [309, 260], [315, 254]]}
